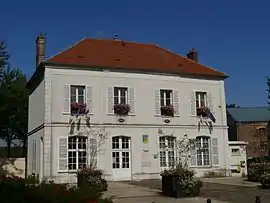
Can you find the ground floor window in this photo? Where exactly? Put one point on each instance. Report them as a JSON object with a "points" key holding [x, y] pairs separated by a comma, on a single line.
{"points": [[121, 152], [167, 151], [203, 151], [77, 152]]}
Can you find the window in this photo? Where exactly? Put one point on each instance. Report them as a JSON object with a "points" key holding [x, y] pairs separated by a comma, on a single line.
{"points": [[120, 95], [77, 94], [203, 151], [121, 152], [165, 97], [235, 152], [201, 100], [167, 151], [76, 152]]}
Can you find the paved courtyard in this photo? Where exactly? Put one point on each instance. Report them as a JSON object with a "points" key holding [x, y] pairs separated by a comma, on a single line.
{"points": [[225, 190], [129, 193]]}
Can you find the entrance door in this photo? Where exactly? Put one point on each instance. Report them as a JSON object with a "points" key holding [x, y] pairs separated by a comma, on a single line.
{"points": [[121, 158]]}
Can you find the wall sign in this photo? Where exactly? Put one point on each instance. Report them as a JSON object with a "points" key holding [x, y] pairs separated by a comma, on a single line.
{"points": [[145, 139]]}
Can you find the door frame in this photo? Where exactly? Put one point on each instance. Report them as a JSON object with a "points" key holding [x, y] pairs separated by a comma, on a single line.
{"points": [[120, 150]]}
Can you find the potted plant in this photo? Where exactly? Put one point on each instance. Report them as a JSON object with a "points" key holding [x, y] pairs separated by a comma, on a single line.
{"points": [[91, 177], [179, 180], [121, 109], [167, 110], [78, 108]]}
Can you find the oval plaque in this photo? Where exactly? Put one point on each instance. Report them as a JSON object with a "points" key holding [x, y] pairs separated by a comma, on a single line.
{"points": [[121, 120], [167, 121]]}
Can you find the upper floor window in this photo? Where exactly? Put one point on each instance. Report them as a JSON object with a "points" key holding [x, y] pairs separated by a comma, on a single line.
{"points": [[201, 100], [77, 94], [120, 95], [165, 97]]}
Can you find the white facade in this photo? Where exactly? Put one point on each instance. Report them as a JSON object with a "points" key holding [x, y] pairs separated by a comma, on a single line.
{"points": [[49, 128], [238, 158]]}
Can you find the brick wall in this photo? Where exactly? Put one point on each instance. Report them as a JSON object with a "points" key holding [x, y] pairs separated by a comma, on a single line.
{"points": [[256, 138]]}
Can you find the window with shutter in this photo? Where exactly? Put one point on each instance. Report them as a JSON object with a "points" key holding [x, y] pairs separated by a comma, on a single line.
{"points": [[157, 102], [89, 99], [193, 110], [66, 99], [77, 157], [110, 100], [203, 151], [131, 100], [63, 154], [176, 104], [215, 152]]}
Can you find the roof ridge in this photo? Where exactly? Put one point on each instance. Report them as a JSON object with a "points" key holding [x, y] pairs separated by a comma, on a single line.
{"points": [[68, 47], [120, 40]]}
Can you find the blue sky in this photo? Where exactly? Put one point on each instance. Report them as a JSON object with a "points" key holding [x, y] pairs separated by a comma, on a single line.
{"points": [[231, 36]]}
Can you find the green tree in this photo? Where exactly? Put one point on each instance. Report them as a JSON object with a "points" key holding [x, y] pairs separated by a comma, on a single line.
{"points": [[4, 56], [13, 107]]}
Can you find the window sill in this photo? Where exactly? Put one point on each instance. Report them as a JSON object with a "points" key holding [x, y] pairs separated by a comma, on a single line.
{"points": [[116, 115], [167, 117], [69, 114]]}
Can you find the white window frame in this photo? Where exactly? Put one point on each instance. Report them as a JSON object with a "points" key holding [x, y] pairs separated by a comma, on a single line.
{"points": [[120, 149], [77, 150], [119, 94], [167, 149], [198, 94], [164, 96], [202, 153], [77, 92]]}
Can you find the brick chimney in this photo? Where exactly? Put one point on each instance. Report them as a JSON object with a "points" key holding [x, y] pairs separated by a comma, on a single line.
{"points": [[193, 55], [40, 49]]}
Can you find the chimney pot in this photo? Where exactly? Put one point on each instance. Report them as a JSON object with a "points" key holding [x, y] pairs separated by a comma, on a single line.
{"points": [[40, 49], [193, 55]]}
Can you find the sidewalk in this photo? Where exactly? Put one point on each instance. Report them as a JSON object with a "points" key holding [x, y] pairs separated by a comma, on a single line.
{"points": [[126, 193], [235, 181]]}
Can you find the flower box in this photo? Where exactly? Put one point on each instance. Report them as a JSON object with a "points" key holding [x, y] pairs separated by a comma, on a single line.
{"points": [[78, 108], [167, 110], [121, 109], [202, 111]]}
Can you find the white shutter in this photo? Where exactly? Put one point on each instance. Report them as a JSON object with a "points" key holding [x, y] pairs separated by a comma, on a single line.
{"points": [[210, 102], [193, 109], [110, 100], [131, 100], [63, 154], [89, 99], [92, 152], [176, 104], [215, 157], [193, 157], [66, 99], [157, 102]]}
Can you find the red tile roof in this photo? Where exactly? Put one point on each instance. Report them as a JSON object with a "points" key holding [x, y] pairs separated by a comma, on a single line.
{"points": [[129, 56]]}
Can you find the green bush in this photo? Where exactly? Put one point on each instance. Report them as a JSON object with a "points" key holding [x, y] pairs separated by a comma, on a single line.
{"points": [[257, 169], [186, 182], [14, 190], [89, 177]]}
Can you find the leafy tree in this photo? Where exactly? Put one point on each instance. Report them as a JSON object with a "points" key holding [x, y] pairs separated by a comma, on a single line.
{"points": [[13, 107], [4, 56]]}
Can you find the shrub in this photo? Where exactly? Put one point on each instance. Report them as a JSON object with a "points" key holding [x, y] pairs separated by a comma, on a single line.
{"points": [[186, 182], [257, 169], [13, 190], [90, 177]]}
